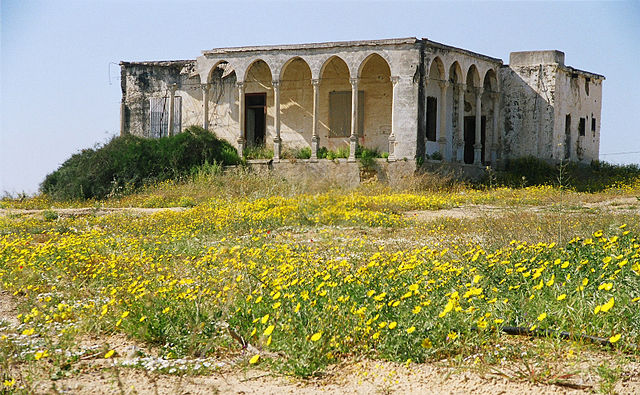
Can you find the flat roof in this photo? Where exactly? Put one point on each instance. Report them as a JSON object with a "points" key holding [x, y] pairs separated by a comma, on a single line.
{"points": [[331, 44]]}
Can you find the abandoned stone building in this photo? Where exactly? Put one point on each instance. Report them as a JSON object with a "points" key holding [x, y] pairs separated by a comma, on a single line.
{"points": [[410, 98]]}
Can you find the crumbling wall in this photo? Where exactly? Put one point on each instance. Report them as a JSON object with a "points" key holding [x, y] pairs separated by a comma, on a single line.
{"points": [[580, 96], [141, 81], [529, 96]]}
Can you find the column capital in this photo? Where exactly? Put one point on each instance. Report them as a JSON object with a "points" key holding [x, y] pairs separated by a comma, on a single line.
{"points": [[173, 87], [315, 81], [443, 84], [479, 90], [354, 81], [494, 94], [461, 86], [204, 86], [240, 84], [275, 84], [394, 79]]}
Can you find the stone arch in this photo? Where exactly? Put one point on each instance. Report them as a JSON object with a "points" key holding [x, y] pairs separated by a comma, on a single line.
{"points": [[289, 61], [334, 124], [455, 73], [252, 64], [374, 76], [437, 70], [215, 66], [259, 112], [370, 56], [473, 77], [490, 82], [331, 61], [296, 103]]}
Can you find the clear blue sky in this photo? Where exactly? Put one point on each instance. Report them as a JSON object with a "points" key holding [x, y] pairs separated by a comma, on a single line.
{"points": [[60, 87]]}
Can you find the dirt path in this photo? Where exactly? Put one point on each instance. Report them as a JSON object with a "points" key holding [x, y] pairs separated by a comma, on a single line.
{"points": [[67, 212], [627, 205]]}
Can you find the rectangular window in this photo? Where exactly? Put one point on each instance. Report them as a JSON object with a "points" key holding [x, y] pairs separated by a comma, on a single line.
{"points": [[159, 116], [582, 126], [432, 110], [340, 114], [593, 125]]}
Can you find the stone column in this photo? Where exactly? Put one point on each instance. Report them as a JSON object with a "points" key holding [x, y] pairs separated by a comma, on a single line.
{"points": [[460, 144], [494, 129], [170, 118], [353, 139], [205, 106], [477, 147], [392, 136], [241, 137], [315, 140], [442, 135], [122, 111], [277, 141]]}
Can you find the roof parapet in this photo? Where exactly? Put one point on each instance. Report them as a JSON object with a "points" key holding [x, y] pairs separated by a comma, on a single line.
{"points": [[527, 58]]}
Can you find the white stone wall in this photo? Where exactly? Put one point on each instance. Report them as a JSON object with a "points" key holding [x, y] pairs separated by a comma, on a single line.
{"points": [[573, 99], [538, 92]]}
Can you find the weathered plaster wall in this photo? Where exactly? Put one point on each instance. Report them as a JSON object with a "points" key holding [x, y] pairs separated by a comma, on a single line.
{"points": [[573, 99], [338, 172], [539, 91], [142, 81], [528, 110]]}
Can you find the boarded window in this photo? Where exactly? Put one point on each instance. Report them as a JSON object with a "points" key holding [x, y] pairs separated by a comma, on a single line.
{"points": [[432, 110], [581, 126], [159, 116], [340, 114]]}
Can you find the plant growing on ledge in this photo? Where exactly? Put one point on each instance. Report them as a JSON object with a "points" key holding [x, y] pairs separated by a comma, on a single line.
{"points": [[258, 152]]}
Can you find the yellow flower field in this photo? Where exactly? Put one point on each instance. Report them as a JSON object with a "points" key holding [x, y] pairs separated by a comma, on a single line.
{"points": [[310, 280]]}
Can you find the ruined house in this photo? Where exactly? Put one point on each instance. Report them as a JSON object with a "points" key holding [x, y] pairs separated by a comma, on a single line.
{"points": [[410, 98]]}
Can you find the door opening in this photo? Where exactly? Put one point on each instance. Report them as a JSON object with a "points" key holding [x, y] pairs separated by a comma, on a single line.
{"points": [[255, 120], [470, 138]]}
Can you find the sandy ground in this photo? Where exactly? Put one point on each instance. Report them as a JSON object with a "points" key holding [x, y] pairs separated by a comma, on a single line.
{"points": [[93, 375]]}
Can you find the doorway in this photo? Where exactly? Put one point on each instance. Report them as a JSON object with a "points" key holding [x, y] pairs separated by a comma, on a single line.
{"points": [[255, 119], [470, 138]]}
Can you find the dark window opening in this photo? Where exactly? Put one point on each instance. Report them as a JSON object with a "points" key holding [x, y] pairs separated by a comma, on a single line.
{"points": [[432, 110], [581, 126], [567, 136], [255, 118], [593, 125]]}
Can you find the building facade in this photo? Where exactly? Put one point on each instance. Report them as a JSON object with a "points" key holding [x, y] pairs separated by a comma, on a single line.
{"points": [[411, 98]]}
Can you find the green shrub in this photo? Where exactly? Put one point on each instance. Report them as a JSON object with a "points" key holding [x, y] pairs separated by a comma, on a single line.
{"points": [[302, 153], [367, 156], [341, 152], [127, 162], [49, 215], [593, 177], [323, 152]]}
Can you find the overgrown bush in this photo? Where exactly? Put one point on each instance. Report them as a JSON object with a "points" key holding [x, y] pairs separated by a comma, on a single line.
{"points": [[592, 177], [128, 162]]}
